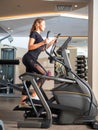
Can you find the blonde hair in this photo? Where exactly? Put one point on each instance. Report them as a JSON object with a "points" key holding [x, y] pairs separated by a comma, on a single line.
{"points": [[38, 20]]}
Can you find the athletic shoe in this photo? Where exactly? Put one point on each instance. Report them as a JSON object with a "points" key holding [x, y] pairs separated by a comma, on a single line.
{"points": [[35, 97]]}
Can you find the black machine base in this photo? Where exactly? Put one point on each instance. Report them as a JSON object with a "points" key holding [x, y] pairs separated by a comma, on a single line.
{"points": [[34, 123]]}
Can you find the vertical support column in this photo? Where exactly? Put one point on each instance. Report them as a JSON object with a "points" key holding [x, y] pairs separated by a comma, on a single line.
{"points": [[93, 46]]}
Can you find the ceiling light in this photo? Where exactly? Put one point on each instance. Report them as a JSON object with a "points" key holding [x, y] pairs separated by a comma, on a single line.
{"points": [[75, 6], [8, 28]]}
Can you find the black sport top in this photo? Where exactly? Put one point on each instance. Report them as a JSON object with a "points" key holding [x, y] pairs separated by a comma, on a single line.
{"points": [[38, 38]]}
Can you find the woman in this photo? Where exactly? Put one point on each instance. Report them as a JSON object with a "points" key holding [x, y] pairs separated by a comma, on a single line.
{"points": [[35, 46]]}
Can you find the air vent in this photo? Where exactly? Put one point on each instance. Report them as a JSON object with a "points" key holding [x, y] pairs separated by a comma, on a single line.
{"points": [[64, 7]]}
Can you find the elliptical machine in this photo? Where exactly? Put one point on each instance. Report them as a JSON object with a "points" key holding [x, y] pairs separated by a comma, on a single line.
{"points": [[72, 102]]}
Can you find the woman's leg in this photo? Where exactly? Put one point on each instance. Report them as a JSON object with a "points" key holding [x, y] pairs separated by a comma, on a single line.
{"points": [[38, 68], [25, 61], [32, 66], [24, 93]]}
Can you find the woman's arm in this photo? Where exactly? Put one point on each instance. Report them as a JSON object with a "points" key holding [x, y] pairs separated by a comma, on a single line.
{"points": [[32, 46], [52, 42]]}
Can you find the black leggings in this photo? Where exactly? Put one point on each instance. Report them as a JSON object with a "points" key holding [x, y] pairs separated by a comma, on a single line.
{"points": [[32, 66]]}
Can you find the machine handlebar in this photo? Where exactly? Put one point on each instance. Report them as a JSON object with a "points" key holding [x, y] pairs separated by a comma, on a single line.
{"points": [[64, 46]]}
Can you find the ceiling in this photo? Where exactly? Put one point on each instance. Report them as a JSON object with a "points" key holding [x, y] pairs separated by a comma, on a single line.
{"points": [[19, 15], [23, 7]]}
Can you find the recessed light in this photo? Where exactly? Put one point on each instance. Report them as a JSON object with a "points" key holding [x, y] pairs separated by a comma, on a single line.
{"points": [[75, 6], [8, 28]]}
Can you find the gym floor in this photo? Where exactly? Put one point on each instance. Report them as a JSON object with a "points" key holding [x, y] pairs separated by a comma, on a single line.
{"points": [[10, 117]]}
